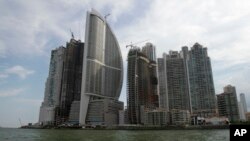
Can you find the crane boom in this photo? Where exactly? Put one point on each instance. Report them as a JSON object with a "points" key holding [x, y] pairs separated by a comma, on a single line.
{"points": [[133, 44], [105, 17], [72, 34]]}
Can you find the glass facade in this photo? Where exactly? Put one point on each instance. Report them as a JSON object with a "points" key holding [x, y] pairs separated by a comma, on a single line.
{"points": [[186, 81], [176, 79], [104, 62], [201, 82], [103, 70], [52, 87]]}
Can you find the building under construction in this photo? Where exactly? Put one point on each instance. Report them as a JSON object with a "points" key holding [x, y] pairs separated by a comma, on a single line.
{"points": [[141, 85], [63, 85], [71, 80]]}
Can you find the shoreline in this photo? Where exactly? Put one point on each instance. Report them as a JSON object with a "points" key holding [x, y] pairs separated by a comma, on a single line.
{"points": [[193, 127]]}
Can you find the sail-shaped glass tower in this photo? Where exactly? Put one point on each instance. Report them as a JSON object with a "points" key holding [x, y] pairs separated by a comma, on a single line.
{"points": [[102, 72]]}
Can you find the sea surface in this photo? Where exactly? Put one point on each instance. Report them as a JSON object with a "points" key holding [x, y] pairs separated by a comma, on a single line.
{"points": [[11, 134]]}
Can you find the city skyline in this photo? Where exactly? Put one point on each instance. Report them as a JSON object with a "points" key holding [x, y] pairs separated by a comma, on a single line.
{"points": [[25, 49]]}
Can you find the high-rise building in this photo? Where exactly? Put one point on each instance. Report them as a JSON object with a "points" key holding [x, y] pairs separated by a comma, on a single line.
{"points": [[71, 80], [186, 81], [241, 111], [52, 87], [228, 104], [149, 51], [175, 79], [242, 107], [243, 101], [141, 86], [201, 82], [162, 87], [102, 72]]}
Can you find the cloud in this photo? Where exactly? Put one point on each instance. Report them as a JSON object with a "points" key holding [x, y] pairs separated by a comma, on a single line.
{"points": [[19, 71], [2, 50], [221, 26], [45, 25], [12, 92]]}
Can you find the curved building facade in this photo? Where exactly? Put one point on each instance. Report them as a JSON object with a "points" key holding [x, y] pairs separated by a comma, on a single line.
{"points": [[102, 64]]}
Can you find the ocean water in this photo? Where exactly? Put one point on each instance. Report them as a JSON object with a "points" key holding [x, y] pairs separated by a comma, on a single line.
{"points": [[8, 134]]}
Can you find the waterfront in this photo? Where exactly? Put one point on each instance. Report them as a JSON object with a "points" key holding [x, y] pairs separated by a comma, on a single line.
{"points": [[8, 134]]}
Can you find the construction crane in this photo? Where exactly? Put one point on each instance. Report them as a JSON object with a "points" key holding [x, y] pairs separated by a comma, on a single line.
{"points": [[72, 34], [105, 17], [20, 122], [132, 45]]}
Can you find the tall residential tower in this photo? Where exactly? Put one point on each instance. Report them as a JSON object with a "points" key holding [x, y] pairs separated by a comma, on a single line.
{"points": [[242, 107], [201, 82], [186, 81], [149, 51], [243, 101], [175, 79], [52, 87], [102, 73]]}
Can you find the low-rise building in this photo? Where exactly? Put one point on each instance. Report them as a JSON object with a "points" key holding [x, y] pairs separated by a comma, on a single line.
{"points": [[216, 121], [180, 117], [104, 112], [157, 117], [248, 116]]}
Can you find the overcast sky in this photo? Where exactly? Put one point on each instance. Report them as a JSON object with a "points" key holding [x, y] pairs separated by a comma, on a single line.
{"points": [[30, 29]]}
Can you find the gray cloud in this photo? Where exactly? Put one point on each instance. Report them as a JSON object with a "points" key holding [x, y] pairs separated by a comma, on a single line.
{"points": [[34, 27]]}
